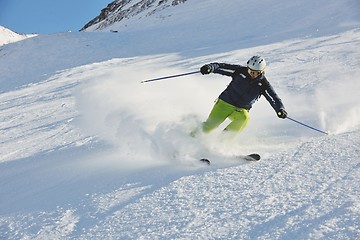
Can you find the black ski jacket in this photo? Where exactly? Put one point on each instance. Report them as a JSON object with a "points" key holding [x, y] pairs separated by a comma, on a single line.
{"points": [[243, 91]]}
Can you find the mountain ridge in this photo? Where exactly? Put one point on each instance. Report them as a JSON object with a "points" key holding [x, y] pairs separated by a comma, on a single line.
{"points": [[7, 36], [117, 11]]}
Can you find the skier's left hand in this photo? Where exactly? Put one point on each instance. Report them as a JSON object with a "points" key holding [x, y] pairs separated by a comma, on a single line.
{"points": [[282, 113]]}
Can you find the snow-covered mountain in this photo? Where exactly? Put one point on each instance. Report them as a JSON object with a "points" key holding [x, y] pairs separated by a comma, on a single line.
{"points": [[125, 9], [8, 36], [244, 20], [89, 152]]}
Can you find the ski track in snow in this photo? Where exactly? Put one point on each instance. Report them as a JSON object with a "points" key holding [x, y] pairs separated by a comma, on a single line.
{"points": [[288, 201]]}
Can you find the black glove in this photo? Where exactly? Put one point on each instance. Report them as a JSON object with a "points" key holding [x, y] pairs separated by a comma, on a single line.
{"points": [[282, 113], [206, 69]]}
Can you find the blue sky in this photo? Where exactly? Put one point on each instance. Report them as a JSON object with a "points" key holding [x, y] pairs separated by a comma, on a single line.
{"points": [[46, 16]]}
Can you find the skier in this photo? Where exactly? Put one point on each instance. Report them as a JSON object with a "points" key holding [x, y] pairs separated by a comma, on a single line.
{"points": [[247, 85]]}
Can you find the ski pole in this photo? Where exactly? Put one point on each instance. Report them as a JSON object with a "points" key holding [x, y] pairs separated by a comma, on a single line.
{"points": [[307, 125], [173, 76]]}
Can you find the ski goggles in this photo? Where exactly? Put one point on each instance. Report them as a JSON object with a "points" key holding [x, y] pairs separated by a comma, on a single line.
{"points": [[255, 72]]}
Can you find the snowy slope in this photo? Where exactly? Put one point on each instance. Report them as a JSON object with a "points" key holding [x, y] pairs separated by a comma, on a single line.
{"points": [[88, 152], [8, 36], [212, 27]]}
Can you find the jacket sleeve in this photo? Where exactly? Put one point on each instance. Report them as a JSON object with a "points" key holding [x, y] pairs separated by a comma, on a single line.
{"points": [[224, 68], [271, 96]]}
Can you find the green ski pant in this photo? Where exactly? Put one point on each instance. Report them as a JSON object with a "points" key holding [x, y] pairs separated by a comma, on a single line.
{"points": [[239, 117]]}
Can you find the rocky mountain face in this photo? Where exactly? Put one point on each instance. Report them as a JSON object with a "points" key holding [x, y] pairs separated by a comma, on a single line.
{"points": [[124, 9]]}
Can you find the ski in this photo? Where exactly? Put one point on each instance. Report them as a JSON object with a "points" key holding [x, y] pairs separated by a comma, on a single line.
{"points": [[250, 157], [205, 160]]}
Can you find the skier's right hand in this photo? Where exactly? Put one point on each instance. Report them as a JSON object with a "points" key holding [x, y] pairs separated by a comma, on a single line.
{"points": [[282, 113], [206, 69]]}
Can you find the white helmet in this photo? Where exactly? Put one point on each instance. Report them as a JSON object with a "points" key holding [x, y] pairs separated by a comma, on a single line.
{"points": [[256, 63]]}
